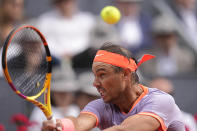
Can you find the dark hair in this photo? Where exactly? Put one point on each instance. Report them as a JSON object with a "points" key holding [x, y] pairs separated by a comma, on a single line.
{"points": [[108, 46]]}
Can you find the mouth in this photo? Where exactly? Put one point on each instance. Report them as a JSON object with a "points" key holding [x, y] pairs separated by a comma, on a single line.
{"points": [[102, 92]]}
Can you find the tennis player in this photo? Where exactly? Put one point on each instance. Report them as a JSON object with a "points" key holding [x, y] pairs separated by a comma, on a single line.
{"points": [[126, 105]]}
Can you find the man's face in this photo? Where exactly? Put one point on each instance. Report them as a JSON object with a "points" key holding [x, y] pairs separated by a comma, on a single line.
{"points": [[128, 8], [109, 83], [68, 7], [14, 9], [62, 99], [166, 42]]}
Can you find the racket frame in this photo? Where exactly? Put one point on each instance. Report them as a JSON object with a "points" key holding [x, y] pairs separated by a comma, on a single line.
{"points": [[46, 108]]}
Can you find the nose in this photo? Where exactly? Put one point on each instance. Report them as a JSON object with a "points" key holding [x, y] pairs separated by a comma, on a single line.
{"points": [[96, 83]]}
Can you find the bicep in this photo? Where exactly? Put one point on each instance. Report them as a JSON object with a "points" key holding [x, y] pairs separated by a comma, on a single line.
{"points": [[85, 122], [140, 123]]}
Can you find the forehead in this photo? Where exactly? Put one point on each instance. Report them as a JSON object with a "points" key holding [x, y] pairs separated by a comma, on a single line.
{"points": [[96, 66]]}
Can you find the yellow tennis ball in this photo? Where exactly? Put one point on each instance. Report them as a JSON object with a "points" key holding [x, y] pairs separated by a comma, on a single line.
{"points": [[110, 14]]}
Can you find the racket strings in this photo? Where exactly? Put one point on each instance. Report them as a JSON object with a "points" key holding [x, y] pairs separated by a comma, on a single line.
{"points": [[26, 62]]}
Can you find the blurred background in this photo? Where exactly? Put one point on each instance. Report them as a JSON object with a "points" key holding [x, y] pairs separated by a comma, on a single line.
{"points": [[74, 31]]}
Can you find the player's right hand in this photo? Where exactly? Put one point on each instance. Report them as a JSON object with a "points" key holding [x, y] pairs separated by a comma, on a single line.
{"points": [[49, 125]]}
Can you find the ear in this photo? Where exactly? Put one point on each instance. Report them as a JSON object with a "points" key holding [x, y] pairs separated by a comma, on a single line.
{"points": [[127, 74]]}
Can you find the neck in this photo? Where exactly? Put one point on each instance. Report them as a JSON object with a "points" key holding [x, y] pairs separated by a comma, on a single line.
{"points": [[128, 98]]}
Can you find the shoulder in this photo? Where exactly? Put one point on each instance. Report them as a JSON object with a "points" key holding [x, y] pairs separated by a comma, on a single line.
{"points": [[161, 104], [158, 95], [156, 99]]}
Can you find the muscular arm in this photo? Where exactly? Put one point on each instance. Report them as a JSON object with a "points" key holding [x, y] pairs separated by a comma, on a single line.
{"points": [[136, 123], [83, 122]]}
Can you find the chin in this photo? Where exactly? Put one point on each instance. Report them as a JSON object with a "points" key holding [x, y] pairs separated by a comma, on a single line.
{"points": [[106, 100]]}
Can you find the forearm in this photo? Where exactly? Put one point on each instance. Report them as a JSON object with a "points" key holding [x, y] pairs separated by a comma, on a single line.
{"points": [[136, 123], [82, 123], [71, 122], [114, 128]]}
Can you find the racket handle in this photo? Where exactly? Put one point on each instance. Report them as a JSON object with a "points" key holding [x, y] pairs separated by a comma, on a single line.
{"points": [[59, 128]]}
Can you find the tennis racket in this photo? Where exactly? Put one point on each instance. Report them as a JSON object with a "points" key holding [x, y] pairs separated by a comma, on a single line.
{"points": [[27, 66]]}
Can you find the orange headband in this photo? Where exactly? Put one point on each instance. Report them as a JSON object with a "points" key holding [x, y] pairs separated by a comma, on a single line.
{"points": [[120, 60]]}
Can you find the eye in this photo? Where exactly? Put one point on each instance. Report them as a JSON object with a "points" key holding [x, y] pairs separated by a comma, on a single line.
{"points": [[101, 75]]}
